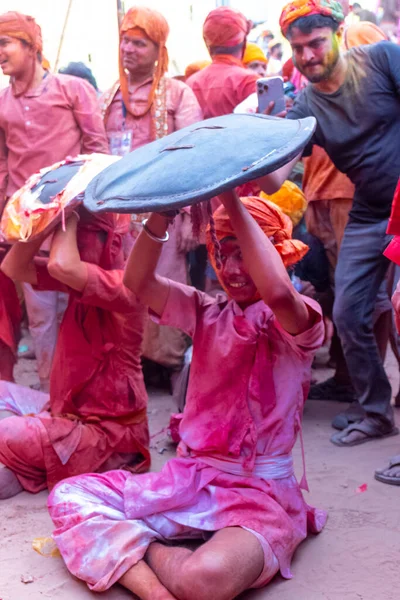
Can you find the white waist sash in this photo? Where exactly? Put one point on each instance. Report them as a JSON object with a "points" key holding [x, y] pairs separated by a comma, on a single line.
{"points": [[265, 467]]}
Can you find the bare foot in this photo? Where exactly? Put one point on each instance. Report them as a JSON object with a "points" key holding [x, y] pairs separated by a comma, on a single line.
{"points": [[9, 484], [142, 581], [353, 436]]}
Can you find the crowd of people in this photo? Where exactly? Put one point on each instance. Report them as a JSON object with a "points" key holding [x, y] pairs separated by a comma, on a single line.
{"points": [[111, 299]]}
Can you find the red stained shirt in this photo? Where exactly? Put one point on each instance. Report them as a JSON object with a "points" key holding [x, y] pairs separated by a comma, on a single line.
{"points": [[223, 85], [96, 366], [60, 118]]}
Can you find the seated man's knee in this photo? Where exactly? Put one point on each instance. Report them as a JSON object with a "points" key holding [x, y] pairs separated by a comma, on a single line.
{"points": [[203, 578]]}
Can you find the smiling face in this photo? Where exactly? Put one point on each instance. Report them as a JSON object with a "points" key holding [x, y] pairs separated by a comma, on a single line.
{"points": [[315, 54], [233, 275], [15, 56], [138, 54]]}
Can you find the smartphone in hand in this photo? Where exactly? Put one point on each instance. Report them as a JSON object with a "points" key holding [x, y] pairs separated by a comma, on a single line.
{"points": [[270, 89]]}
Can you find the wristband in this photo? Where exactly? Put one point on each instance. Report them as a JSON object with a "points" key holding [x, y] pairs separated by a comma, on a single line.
{"points": [[154, 237]]}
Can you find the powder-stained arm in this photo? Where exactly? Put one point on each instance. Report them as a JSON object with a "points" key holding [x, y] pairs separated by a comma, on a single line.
{"points": [[140, 271], [65, 263]]}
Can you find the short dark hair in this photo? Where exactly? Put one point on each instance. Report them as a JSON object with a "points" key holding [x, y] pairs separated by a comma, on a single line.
{"points": [[307, 24], [79, 69], [227, 49]]}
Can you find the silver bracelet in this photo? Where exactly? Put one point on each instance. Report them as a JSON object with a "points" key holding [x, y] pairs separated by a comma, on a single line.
{"points": [[154, 237]]}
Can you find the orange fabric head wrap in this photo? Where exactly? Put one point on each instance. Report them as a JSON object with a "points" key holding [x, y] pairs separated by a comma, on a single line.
{"points": [[274, 223], [23, 27], [225, 27], [305, 8], [151, 24], [363, 33], [195, 67], [253, 52]]}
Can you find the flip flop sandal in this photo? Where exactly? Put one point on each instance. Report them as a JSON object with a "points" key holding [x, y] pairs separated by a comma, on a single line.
{"points": [[371, 431], [353, 414], [379, 476]]}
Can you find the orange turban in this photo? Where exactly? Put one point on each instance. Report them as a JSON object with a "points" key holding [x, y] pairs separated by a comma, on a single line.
{"points": [[305, 8], [274, 223], [362, 33], [253, 52], [23, 27], [154, 26], [195, 67], [225, 28]]}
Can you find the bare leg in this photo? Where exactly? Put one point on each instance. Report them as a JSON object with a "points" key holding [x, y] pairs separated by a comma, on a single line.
{"points": [[9, 484], [222, 568], [143, 582]]}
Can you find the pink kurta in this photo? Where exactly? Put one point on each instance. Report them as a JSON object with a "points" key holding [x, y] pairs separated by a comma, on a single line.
{"points": [[59, 118], [181, 103], [98, 400], [248, 382]]}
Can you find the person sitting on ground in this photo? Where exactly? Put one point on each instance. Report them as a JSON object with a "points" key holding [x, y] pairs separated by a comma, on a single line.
{"points": [[232, 485], [97, 414], [255, 59]]}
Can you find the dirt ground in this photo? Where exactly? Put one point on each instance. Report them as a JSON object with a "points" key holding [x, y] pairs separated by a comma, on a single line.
{"points": [[355, 558]]}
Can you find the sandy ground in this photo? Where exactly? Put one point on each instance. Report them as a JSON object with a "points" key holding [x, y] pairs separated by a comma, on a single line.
{"points": [[355, 558]]}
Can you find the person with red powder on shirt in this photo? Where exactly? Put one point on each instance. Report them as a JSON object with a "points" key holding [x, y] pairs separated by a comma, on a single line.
{"points": [[232, 485], [96, 418], [43, 119], [225, 83]]}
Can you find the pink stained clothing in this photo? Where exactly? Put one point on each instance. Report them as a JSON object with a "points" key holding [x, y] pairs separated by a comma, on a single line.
{"points": [[182, 108], [235, 464], [60, 118], [223, 85], [97, 395]]}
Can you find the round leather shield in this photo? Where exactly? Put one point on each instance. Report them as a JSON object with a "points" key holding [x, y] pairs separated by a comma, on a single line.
{"points": [[197, 163]]}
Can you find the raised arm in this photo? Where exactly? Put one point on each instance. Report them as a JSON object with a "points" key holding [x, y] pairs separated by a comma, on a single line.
{"points": [[266, 268], [140, 271], [273, 182], [19, 262], [65, 263]]}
